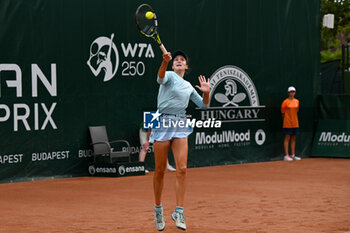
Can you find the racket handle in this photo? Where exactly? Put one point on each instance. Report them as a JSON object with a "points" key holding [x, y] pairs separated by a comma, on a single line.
{"points": [[163, 48]]}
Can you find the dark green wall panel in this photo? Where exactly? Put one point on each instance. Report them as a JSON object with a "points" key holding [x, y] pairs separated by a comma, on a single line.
{"points": [[276, 43]]}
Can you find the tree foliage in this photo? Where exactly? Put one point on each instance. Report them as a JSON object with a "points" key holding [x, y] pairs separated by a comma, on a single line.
{"points": [[333, 39]]}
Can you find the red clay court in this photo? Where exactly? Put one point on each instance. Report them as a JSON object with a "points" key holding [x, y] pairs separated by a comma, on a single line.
{"points": [[311, 195]]}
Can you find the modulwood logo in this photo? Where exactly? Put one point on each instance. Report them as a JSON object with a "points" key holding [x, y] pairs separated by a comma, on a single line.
{"points": [[332, 137], [228, 136], [223, 137]]}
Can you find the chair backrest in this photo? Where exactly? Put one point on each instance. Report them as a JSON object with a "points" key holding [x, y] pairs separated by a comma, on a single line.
{"points": [[99, 134]]}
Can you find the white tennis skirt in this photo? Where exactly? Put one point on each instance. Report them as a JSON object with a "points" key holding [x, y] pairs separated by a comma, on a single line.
{"points": [[171, 126]]}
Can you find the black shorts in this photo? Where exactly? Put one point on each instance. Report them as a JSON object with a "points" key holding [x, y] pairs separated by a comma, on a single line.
{"points": [[291, 131]]}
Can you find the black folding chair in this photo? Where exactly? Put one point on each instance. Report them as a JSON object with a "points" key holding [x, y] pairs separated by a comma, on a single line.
{"points": [[102, 146]]}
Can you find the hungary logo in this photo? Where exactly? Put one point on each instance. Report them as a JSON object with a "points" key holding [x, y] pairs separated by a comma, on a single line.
{"points": [[232, 87], [233, 97]]}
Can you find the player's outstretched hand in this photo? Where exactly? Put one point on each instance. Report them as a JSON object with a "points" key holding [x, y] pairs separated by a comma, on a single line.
{"points": [[204, 84]]}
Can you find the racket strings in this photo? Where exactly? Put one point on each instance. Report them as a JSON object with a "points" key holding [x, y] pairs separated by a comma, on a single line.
{"points": [[148, 27]]}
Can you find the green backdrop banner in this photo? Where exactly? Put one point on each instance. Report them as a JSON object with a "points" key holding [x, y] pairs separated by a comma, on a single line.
{"points": [[66, 65], [333, 107], [332, 139]]}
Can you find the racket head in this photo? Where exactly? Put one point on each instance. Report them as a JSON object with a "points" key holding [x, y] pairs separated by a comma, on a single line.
{"points": [[221, 98], [148, 27], [239, 97]]}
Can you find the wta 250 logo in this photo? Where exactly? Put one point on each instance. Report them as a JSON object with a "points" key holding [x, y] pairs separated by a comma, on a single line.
{"points": [[104, 58]]}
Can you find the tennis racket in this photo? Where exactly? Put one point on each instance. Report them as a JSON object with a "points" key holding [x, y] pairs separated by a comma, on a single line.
{"points": [[146, 22]]}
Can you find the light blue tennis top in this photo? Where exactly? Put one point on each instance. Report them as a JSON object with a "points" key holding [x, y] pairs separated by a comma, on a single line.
{"points": [[175, 93]]}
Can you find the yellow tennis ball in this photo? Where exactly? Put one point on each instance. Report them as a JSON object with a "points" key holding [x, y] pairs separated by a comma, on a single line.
{"points": [[149, 15]]}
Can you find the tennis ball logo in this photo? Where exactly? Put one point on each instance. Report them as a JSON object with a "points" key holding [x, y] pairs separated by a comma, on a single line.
{"points": [[149, 15]]}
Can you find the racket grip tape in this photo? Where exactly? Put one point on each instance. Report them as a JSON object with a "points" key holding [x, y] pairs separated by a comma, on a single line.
{"points": [[163, 48]]}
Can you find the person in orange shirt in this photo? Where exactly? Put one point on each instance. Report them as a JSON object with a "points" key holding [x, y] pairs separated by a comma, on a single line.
{"points": [[289, 110]]}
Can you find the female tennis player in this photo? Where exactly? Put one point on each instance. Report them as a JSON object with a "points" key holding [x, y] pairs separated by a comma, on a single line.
{"points": [[173, 98]]}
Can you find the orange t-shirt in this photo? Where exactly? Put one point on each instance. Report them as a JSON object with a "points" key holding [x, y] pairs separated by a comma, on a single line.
{"points": [[290, 110]]}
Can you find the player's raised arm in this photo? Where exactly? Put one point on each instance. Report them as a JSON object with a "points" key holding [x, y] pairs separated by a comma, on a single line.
{"points": [[164, 65]]}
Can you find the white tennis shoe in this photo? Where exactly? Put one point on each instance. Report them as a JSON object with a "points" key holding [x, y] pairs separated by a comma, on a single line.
{"points": [[159, 220], [295, 157], [170, 168], [179, 219], [287, 158]]}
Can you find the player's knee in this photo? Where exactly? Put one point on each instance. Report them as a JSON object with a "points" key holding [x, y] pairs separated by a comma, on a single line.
{"points": [[160, 170], [181, 170]]}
